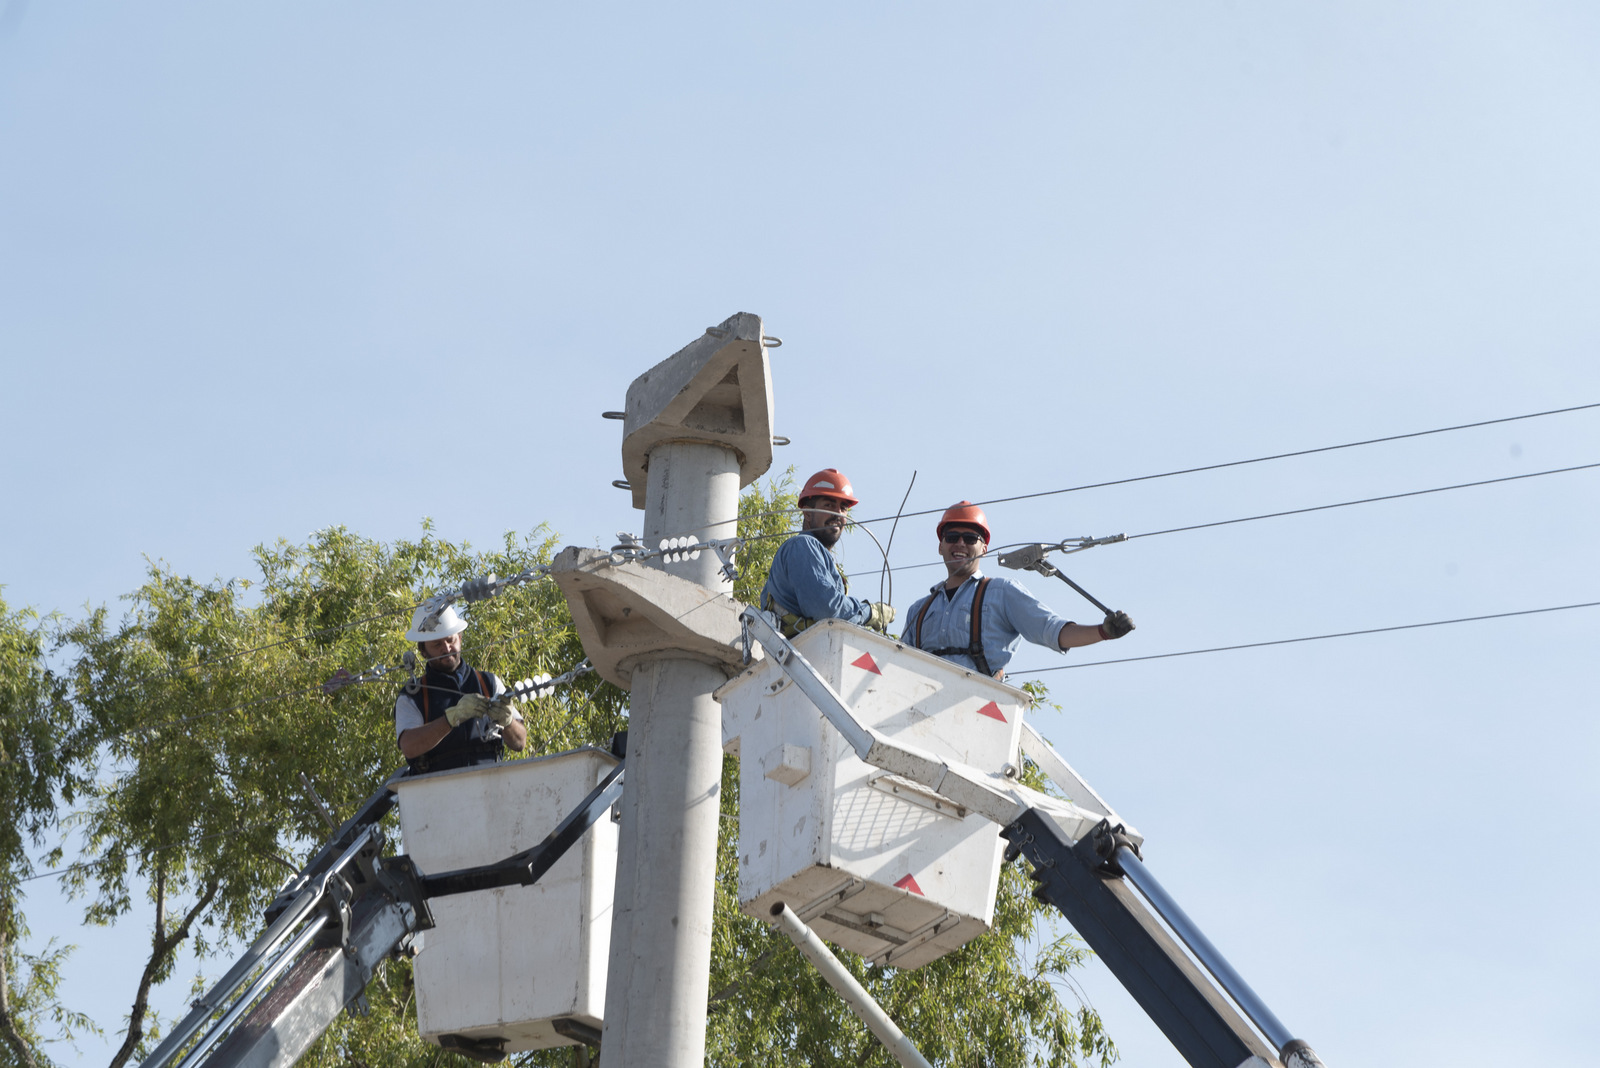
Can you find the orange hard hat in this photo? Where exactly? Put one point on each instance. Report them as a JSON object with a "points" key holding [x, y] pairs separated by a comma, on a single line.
{"points": [[830, 482], [965, 514]]}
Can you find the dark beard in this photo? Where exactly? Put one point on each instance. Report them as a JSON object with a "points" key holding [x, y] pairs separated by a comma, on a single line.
{"points": [[828, 536]]}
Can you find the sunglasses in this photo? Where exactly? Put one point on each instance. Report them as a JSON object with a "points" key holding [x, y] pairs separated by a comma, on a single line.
{"points": [[962, 537]]}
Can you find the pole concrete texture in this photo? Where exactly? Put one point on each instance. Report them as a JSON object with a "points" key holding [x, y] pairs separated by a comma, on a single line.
{"points": [[660, 962], [696, 429]]}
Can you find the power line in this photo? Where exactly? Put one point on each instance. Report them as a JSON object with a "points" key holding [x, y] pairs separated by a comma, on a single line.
{"points": [[1312, 638], [70, 868], [1301, 511], [525, 576], [372, 675], [1255, 460], [1366, 500]]}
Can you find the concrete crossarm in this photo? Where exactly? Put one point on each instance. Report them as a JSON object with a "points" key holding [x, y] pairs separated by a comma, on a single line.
{"points": [[992, 795], [628, 612]]}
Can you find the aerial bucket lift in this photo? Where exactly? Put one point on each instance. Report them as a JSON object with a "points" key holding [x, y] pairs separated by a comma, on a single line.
{"points": [[477, 986], [873, 861], [335, 922], [1084, 857]]}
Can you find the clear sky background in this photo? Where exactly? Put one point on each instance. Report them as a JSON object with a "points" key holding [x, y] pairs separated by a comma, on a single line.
{"points": [[269, 268]]}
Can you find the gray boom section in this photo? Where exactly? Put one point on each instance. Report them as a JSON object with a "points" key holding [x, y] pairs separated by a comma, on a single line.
{"points": [[307, 1000]]}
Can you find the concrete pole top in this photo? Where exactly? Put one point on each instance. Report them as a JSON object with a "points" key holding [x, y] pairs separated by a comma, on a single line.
{"points": [[716, 390]]}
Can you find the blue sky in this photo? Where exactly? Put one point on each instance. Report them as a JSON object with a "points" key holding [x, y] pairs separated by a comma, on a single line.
{"points": [[267, 269]]}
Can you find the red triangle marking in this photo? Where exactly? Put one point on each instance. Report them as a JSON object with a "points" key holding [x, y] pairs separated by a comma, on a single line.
{"points": [[992, 710], [867, 662], [908, 883]]}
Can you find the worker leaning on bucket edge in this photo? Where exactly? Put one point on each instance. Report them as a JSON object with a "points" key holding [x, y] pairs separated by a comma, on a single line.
{"points": [[449, 719], [941, 623], [805, 582]]}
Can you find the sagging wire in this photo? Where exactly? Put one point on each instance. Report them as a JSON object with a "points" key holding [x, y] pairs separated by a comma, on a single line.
{"points": [[145, 680], [887, 570], [338, 681], [1366, 500], [70, 868], [472, 590], [1312, 638], [1259, 459], [1289, 512]]}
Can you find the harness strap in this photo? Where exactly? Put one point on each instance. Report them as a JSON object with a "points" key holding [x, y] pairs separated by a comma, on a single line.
{"points": [[974, 647]]}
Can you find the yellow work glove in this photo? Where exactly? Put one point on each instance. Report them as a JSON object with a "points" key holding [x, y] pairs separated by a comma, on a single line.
{"points": [[882, 615], [469, 707], [501, 713]]}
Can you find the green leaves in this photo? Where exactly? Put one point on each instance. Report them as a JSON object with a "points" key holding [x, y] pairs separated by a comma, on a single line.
{"points": [[175, 742]]}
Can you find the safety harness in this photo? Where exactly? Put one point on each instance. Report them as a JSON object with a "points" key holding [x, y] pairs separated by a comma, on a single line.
{"points": [[455, 750], [974, 648]]}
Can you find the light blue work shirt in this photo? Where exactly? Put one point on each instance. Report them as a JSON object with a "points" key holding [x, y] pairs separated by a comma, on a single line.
{"points": [[1009, 612], [805, 579]]}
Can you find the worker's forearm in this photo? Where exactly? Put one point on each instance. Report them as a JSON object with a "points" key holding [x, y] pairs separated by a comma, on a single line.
{"points": [[418, 740], [514, 735], [1077, 635]]}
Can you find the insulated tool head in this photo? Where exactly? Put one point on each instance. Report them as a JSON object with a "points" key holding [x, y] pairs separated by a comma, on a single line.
{"points": [[1026, 557]]}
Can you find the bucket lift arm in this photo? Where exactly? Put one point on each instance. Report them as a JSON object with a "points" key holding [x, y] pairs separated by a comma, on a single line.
{"points": [[1084, 859], [331, 927]]}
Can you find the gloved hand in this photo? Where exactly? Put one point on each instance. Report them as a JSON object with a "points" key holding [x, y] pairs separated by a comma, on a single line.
{"points": [[882, 615], [1115, 626], [469, 707], [501, 713]]}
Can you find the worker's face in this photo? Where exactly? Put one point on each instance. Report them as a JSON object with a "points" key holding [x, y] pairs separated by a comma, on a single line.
{"points": [[443, 653], [960, 558], [825, 516]]}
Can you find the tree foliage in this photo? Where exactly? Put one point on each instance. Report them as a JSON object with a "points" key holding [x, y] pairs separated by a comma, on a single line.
{"points": [[204, 706]]}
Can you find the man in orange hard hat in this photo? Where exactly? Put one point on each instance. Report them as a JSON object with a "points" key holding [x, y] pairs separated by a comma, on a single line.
{"points": [[976, 621], [806, 582]]}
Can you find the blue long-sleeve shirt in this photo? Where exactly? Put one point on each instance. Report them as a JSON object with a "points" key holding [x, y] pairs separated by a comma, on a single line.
{"points": [[805, 579], [1010, 612]]}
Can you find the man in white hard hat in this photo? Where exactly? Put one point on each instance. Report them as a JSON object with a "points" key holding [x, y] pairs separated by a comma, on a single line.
{"points": [[450, 719], [805, 582]]}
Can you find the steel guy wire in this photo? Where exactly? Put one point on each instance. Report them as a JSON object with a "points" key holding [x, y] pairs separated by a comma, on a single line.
{"points": [[1303, 511], [146, 680], [124, 853], [1312, 638], [1255, 460], [372, 674]]}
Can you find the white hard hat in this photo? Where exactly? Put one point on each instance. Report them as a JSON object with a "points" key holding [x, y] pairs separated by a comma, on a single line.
{"points": [[444, 623]]}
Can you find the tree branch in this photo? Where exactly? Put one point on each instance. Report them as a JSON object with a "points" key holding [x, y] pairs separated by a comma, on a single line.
{"points": [[8, 1024], [162, 946]]}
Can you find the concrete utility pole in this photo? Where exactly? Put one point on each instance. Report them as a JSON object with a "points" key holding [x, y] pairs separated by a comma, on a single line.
{"points": [[698, 426]]}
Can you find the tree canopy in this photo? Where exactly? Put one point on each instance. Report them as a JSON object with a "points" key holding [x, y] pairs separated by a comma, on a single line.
{"points": [[178, 739]]}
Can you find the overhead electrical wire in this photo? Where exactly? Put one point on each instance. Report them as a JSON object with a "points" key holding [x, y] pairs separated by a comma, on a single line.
{"points": [[146, 680], [1310, 638], [319, 688], [1254, 460], [1299, 511], [70, 868]]}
